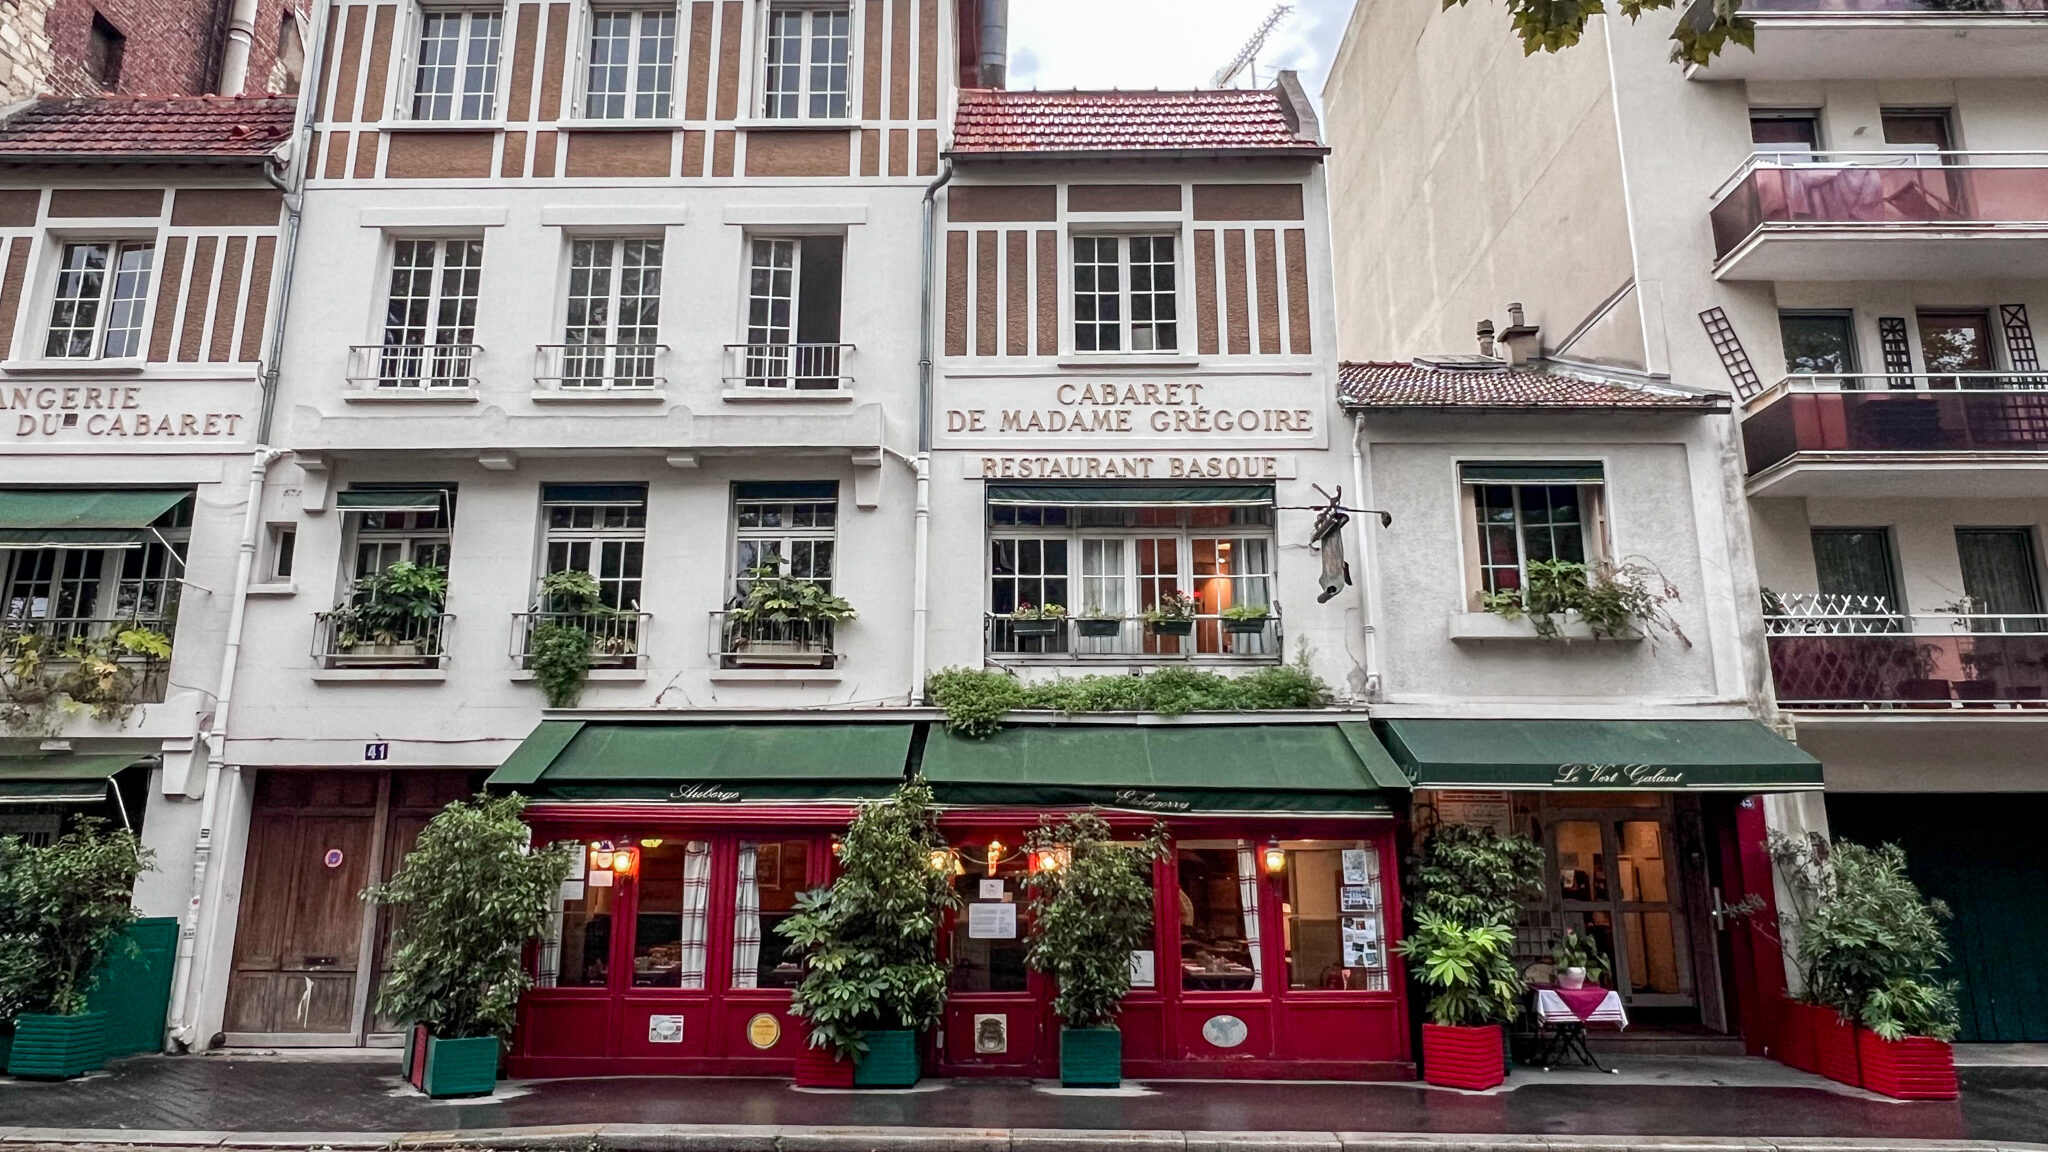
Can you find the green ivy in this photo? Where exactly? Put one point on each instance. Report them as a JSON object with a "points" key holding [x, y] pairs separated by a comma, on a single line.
{"points": [[559, 656], [63, 907], [1090, 914], [976, 700]]}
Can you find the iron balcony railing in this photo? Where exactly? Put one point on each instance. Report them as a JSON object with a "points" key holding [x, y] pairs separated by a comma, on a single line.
{"points": [[788, 368], [618, 638], [742, 643], [1854, 653], [1700, 13], [52, 645], [599, 367], [1207, 637], [1948, 412], [413, 367], [1879, 191], [341, 641]]}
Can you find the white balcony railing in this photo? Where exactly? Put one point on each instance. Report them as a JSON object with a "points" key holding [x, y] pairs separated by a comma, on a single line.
{"points": [[580, 368], [788, 369], [340, 641], [418, 368], [618, 639], [757, 643]]}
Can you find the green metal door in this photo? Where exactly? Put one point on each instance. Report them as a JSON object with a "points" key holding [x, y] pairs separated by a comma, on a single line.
{"points": [[134, 987]]}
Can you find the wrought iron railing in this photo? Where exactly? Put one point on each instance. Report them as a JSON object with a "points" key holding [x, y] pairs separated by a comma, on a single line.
{"points": [[1122, 638], [783, 368], [1922, 412], [1863, 656], [31, 647], [599, 367], [413, 367], [1877, 190], [740, 642], [340, 640], [617, 638]]}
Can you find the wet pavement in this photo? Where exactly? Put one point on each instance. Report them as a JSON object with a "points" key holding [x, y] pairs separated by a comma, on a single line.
{"points": [[230, 1094]]}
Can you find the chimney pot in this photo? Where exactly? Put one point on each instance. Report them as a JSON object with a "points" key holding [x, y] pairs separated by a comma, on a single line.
{"points": [[1486, 337], [1515, 315]]}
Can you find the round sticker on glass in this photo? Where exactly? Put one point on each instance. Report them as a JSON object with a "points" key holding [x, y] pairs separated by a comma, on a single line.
{"points": [[1224, 1031], [333, 858], [763, 1031]]}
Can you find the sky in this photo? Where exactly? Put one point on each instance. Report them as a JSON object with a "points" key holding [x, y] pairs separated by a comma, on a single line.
{"points": [[1164, 43]]}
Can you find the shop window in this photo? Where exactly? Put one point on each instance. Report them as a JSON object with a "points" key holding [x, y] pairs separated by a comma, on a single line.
{"points": [[668, 929], [1336, 938], [100, 299], [1520, 514], [1219, 915], [988, 932], [576, 952], [632, 64], [771, 873]]}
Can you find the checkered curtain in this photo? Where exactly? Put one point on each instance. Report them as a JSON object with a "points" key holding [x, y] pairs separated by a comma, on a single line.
{"points": [[746, 922], [696, 901], [1248, 896]]}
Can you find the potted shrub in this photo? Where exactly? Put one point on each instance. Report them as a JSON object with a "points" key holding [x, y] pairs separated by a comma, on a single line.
{"points": [[872, 979], [1089, 911], [781, 617], [566, 638], [471, 894], [1613, 600], [1173, 615], [63, 906], [388, 614], [1475, 988], [1043, 620], [1577, 960], [1246, 619]]}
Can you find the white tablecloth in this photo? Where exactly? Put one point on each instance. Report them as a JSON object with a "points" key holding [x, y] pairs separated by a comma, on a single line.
{"points": [[1551, 1009]]}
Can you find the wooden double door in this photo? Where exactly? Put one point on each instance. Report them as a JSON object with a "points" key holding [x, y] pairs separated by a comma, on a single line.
{"points": [[308, 949]]}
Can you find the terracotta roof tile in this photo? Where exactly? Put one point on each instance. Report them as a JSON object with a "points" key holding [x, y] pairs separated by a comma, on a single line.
{"points": [[137, 127], [1418, 385], [998, 121]]}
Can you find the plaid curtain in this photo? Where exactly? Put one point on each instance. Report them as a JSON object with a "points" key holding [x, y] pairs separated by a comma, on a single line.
{"points": [[746, 922], [1248, 896], [696, 900]]}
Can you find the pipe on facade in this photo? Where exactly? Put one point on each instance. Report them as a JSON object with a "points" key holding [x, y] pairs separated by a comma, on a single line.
{"points": [[234, 54], [995, 44], [1368, 582], [920, 612]]}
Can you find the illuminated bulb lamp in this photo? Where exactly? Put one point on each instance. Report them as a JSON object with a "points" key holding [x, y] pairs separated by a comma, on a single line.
{"points": [[995, 856], [1276, 856], [624, 860], [941, 859], [601, 858], [650, 842], [1046, 860]]}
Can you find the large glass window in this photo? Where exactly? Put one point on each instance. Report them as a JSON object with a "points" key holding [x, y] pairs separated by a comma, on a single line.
{"points": [[1124, 294], [2001, 577], [632, 64], [430, 318], [1219, 915], [668, 929], [807, 72], [576, 952], [1335, 924], [793, 313], [1956, 342], [989, 930], [457, 74], [101, 295], [771, 873], [602, 530], [614, 321]]}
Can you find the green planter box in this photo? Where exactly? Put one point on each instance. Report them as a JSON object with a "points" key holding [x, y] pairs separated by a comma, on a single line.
{"points": [[443, 1068], [891, 1061], [1170, 627], [1099, 628], [1091, 1057], [6, 1044], [58, 1047]]}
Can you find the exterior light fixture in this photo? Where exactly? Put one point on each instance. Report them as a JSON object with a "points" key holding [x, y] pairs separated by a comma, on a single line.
{"points": [[995, 855], [1047, 860], [1276, 856], [650, 842], [624, 860], [941, 859], [601, 854]]}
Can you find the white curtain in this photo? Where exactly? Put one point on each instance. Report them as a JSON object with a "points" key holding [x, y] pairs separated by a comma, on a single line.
{"points": [[1248, 895], [746, 924], [696, 901]]}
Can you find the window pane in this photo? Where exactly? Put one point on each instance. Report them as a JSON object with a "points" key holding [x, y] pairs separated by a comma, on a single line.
{"points": [[1219, 916], [1334, 938], [994, 960], [75, 308], [668, 932], [771, 873], [1818, 344], [1581, 860], [577, 953]]}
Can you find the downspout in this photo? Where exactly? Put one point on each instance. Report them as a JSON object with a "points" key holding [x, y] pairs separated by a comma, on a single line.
{"points": [[920, 613], [1369, 585], [234, 55], [185, 987]]}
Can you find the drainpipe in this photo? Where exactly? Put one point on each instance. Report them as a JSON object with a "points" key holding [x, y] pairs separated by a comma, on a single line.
{"points": [[1369, 584], [920, 613], [200, 914], [234, 56]]}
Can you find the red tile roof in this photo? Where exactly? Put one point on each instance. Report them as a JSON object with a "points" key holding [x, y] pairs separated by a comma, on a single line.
{"points": [[1420, 385], [148, 127], [999, 121]]}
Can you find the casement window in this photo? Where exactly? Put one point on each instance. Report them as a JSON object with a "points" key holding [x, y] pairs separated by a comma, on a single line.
{"points": [[430, 318], [1124, 294], [283, 551], [455, 73], [632, 64], [600, 529], [100, 299], [794, 527], [384, 537], [614, 319], [793, 313], [807, 73], [1818, 343], [1519, 514], [81, 590]]}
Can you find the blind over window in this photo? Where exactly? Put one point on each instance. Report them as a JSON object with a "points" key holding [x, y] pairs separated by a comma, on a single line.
{"points": [[1543, 472]]}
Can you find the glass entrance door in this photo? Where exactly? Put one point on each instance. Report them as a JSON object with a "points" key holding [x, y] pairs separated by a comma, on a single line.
{"points": [[1617, 874]]}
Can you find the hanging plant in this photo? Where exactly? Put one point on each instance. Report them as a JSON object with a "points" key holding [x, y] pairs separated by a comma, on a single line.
{"points": [[1613, 600], [559, 655]]}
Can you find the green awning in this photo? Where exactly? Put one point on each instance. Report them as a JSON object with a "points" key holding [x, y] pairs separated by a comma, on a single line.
{"points": [[1271, 769], [1545, 472], [61, 779], [392, 500], [1600, 755], [1128, 495], [707, 763], [80, 517]]}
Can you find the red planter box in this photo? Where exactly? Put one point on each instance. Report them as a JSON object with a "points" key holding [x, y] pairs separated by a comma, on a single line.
{"points": [[1915, 1068], [1795, 1044], [822, 1068], [1835, 1048], [1458, 1057]]}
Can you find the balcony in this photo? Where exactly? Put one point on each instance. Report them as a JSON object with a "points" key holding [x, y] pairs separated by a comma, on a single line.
{"points": [[617, 638], [340, 641], [599, 371], [1882, 40], [108, 664], [413, 371], [743, 643], [787, 371], [1849, 653], [1971, 434], [1208, 639], [1884, 216]]}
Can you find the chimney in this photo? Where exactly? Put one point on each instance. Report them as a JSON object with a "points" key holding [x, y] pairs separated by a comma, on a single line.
{"points": [[1486, 337], [995, 43], [1521, 342]]}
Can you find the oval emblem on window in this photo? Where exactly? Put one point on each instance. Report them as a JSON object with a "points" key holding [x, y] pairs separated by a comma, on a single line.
{"points": [[1225, 1031], [763, 1031]]}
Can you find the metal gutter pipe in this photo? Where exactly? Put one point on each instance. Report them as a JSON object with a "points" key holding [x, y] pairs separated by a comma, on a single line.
{"points": [[920, 613], [1369, 583]]}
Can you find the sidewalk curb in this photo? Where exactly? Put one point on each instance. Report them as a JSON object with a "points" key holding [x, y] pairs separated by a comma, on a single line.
{"points": [[768, 1138]]}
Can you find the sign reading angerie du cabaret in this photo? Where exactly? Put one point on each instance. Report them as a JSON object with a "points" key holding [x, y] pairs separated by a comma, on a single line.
{"points": [[106, 412], [1196, 414]]}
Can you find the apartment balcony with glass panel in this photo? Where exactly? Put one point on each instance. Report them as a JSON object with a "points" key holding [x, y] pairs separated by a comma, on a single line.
{"points": [[1837, 653], [1963, 434], [1881, 40]]}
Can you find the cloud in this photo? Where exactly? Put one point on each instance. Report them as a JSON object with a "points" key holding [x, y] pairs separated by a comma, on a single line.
{"points": [[1164, 43]]}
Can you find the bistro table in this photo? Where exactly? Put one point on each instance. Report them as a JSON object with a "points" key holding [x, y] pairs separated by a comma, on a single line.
{"points": [[1567, 1011]]}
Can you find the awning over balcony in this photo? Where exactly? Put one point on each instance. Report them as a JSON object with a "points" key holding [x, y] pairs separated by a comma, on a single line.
{"points": [[1252, 769], [392, 500], [707, 763], [1545, 472], [62, 779], [1128, 495], [81, 517], [1600, 755]]}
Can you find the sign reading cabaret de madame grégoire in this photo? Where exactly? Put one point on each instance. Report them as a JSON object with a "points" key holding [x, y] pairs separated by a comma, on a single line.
{"points": [[1192, 416]]}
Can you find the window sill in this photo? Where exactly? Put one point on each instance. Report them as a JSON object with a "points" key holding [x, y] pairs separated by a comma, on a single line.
{"points": [[798, 124], [776, 676], [594, 676], [1122, 360], [599, 396], [1490, 627], [276, 588], [786, 395], [380, 676], [409, 396], [125, 366], [398, 125], [622, 124]]}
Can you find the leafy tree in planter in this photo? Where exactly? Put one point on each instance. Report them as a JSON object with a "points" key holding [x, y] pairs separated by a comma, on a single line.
{"points": [[1470, 968], [1089, 914], [1474, 875], [62, 908], [870, 940], [472, 892]]}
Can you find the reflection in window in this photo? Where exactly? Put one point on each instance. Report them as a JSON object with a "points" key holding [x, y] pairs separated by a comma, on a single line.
{"points": [[576, 952], [668, 932], [988, 946], [771, 873], [1335, 937], [1581, 860], [1219, 916]]}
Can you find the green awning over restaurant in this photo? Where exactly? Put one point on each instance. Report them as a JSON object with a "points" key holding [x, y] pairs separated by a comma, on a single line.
{"points": [[1294, 769], [1128, 495], [1600, 755], [81, 517], [707, 763], [59, 779]]}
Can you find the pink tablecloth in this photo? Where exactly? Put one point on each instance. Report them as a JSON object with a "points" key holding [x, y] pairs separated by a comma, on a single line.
{"points": [[1580, 1006]]}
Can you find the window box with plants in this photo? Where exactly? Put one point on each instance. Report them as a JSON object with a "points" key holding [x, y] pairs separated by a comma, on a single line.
{"points": [[1088, 914], [1173, 615], [1094, 624], [390, 617], [471, 894], [1038, 621], [872, 979], [1564, 600], [63, 907], [783, 620], [1246, 619], [52, 669]]}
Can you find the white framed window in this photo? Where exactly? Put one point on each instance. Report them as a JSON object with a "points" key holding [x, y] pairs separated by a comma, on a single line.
{"points": [[807, 74], [793, 313], [455, 68], [430, 314], [1519, 514], [100, 299], [613, 325], [283, 551], [385, 538], [600, 529], [78, 590], [1126, 294], [794, 526], [632, 64]]}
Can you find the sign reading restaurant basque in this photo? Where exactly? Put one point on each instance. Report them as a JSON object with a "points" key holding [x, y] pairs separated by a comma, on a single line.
{"points": [[125, 413], [1197, 421]]}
